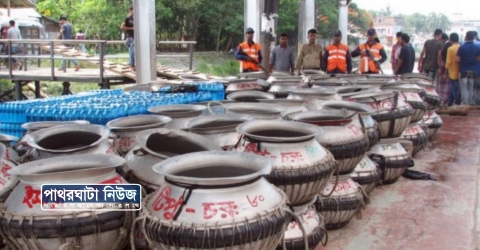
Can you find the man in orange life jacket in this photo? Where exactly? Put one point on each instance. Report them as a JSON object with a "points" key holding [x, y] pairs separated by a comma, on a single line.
{"points": [[337, 59], [367, 65], [249, 53]]}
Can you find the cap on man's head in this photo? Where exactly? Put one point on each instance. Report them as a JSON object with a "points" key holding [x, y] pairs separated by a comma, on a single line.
{"points": [[337, 33], [250, 30], [63, 18], [371, 32], [312, 31], [438, 32]]}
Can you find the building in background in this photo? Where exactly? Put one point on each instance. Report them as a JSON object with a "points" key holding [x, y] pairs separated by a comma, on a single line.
{"points": [[387, 27]]}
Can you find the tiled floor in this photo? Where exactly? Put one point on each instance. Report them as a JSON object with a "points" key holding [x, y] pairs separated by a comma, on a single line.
{"points": [[421, 214]]}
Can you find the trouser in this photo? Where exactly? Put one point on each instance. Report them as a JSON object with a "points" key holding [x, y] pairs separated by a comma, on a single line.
{"points": [[477, 90], [432, 73], [335, 71], [13, 50], [64, 63], [81, 47], [249, 70], [131, 51], [467, 81], [454, 96]]}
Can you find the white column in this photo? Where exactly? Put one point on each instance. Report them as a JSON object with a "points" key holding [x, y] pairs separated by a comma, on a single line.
{"points": [[252, 17], [306, 20], [145, 41], [343, 19]]}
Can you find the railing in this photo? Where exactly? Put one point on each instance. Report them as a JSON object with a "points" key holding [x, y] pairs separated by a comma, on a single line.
{"points": [[100, 58]]}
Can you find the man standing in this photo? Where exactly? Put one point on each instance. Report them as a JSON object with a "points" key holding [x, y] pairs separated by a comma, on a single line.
{"points": [[66, 34], [310, 54], [406, 59], [80, 36], [337, 58], [14, 33], [476, 41], [452, 72], [249, 53], [428, 57], [468, 57], [372, 54], [127, 26], [395, 48], [443, 83], [281, 58]]}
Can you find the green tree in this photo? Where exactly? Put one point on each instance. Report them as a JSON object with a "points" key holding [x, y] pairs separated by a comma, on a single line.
{"points": [[415, 23], [438, 21]]}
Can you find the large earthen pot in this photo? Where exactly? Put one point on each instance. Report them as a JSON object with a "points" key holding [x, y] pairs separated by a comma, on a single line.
{"points": [[10, 152], [411, 94], [249, 96], [68, 140], [214, 108], [367, 173], [343, 204], [7, 181], [301, 166], [125, 129], [156, 145], [417, 134], [392, 158], [245, 84], [221, 129], [22, 213], [392, 113], [433, 122], [290, 105], [35, 126], [344, 137], [218, 199], [430, 96], [180, 114], [264, 111]]}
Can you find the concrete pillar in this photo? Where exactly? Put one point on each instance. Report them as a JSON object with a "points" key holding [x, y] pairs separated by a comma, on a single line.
{"points": [[306, 20], [252, 16], [145, 41], [343, 19], [268, 31]]}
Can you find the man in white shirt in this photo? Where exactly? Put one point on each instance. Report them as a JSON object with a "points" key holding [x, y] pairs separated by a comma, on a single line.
{"points": [[14, 34]]}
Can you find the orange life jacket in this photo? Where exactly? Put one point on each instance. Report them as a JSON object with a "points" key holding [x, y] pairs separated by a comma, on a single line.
{"points": [[366, 64], [337, 57], [253, 53]]}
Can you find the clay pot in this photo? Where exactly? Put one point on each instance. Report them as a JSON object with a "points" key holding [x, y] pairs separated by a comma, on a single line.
{"points": [[220, 129], [430, 96], [214, 107], [207, 189], [180, 114], [290, 105], [367, 173], [410, 94], [301, 166], [10, 153], [7, 181], [68, 140], [343, 137], [281, 89], [392, 113], [343, 204], [35, 126], [392, 158], [249, 96], [125, 129], [259, 112], [21, 214], [245, 85], [417, 134], [433, 122], [156, 145]]}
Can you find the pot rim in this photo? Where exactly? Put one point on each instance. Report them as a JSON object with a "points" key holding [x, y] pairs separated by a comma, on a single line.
{"points": [[282, 101], [41, 134], [67, 163], [186, 110], [360, 108], [342, 177], [315, 91], [404, 87], [317, 117], [388, 140], [381, 95], [240, 118], [309, 131], [142, 138], [160, 120], [250, 93], [48, 124], [170, 167], [4, 138], [248, 107]]}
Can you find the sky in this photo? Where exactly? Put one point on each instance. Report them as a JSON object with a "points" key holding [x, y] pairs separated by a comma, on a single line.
{"points": [[425, 6]]}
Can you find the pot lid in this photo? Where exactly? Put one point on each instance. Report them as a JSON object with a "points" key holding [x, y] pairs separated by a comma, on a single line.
{"points": [[351, 106], [67, 163], [265, 108], [278, 131], [249, 96], [214, 168], [177, 111], [164, 143], [86, 135], [34, 126], [138, 122]]}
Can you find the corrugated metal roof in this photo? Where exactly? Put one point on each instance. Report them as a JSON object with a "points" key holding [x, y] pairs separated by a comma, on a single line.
{"points": [[17, 3]]}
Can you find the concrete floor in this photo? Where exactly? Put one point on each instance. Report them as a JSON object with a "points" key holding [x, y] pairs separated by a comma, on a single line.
{"points": [[421, 214]]}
